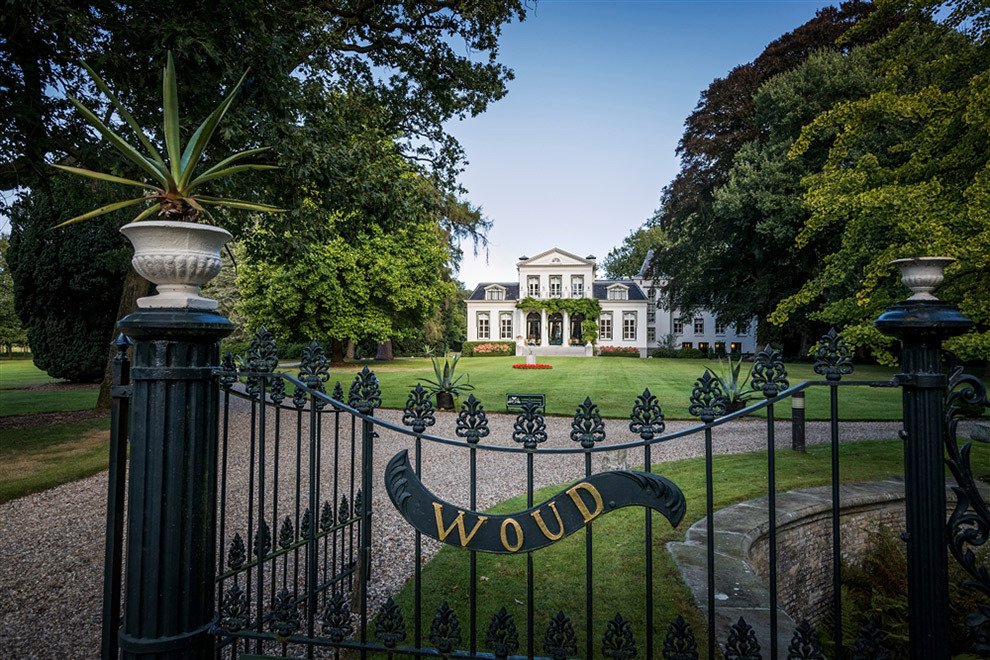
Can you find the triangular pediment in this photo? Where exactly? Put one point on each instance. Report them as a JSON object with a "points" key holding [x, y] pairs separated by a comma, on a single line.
{"points": [[556, 257]]}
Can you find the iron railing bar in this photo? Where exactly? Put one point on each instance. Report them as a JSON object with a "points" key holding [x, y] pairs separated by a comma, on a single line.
{"points": [[336, 478], [772, 531], [311, 547], [298, 496], [530, 610], [648, 467], [262, 436], [710, 541], [474, 556], [116, 493], [588, 576], [418, 595], [250, 541], [836, 538], [275, 521]]}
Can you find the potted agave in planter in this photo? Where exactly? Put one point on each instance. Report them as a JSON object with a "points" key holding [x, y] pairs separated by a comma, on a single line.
{"points": [[174, 251]]}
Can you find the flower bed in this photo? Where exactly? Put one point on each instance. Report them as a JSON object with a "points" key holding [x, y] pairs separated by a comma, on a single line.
{"points": [[532, 366], [618, 351], [488, 348]]}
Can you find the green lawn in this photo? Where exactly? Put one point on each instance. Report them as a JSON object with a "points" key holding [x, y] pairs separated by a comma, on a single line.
{"points": [[619, 563], [614, 383], [35, 459], [16, 376]]}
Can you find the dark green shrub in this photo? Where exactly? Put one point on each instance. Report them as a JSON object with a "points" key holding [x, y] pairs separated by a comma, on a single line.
{"points": [[618, 351], [665, 352], [690, 354]]}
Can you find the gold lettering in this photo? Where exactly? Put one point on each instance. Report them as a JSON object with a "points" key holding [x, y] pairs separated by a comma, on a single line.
{"points": [[579, 503], [538, 517], [458, 523], [519, 535]]}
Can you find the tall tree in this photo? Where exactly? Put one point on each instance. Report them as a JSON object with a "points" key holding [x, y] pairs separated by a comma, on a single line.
{"points": [[923, 189], [699, 247], [11, 330]]}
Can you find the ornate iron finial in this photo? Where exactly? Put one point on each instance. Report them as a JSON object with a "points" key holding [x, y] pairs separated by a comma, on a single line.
{"points": [[871, 644], [237, 554], [365, 394], [587, 427], [276, 391], [338, 393], [344, 512], [262, 358], [833, 359], [742, 644], [418, 412], [647, 417], [679, 644], [445, 630], [472, 422], [560, 642], [805, 644], [285, 615], [708, 401], [358, 503], [326, 516], [234, 611], [286, 533], [307, 520], [337, 618], [263, 540], [314, 367], [228, 370], [618, 642], [530, 429], [769, 374], [390, 627], [502, 638]]}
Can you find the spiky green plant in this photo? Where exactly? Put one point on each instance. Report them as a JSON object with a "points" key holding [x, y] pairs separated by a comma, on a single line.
{"points": [[445, 381], [736, 391], [173, 184]]}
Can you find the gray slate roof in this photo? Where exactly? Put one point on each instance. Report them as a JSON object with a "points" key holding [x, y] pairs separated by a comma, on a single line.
{"points": [[600, 290], [511, 290]]}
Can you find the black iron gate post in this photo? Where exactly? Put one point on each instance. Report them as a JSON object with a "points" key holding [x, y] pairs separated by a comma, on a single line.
{"points": [[921, 323], [171, 505]]}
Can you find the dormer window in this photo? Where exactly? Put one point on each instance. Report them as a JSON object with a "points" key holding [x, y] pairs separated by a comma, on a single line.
{"points": [[495, 293], [618, 292]]}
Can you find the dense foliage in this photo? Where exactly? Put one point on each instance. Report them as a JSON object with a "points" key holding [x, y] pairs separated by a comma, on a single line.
{"points": [[590, 307], [11, 331]]}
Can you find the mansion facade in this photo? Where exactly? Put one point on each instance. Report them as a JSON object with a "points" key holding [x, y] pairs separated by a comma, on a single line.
{"points": [[630, 316]]}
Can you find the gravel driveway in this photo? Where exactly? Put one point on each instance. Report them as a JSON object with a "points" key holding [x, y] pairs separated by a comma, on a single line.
{"points": [[51, 543]]}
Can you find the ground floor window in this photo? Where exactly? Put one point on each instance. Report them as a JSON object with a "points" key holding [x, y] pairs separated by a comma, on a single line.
{"points": [[702, 345], [687, 344], [735, 347], [484, 330], [605, 327], [533, 328], [720, 346], [505, 325], [629, 326]]}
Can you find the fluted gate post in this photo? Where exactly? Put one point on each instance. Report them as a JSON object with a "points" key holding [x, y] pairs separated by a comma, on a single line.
{"points": [[921, 323], [171, 504]]}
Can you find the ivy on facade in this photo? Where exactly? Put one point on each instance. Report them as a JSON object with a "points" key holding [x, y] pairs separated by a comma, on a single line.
{"points": [[590, 307]]}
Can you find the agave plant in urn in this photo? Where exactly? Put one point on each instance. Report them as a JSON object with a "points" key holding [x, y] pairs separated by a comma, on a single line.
{"points": [[176, 251]]}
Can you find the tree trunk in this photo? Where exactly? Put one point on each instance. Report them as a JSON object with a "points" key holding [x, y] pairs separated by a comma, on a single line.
{"points": [[336, 351], [135, 287], [350, 350], [384, 351]]}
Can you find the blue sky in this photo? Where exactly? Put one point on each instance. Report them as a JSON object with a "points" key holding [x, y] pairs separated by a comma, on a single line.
{"points": [[576, 154]]}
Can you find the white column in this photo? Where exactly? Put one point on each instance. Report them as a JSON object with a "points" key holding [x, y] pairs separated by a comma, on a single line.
{"points": [[544, 335], [566, 334]]}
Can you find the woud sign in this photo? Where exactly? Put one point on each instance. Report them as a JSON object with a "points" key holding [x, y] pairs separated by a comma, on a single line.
{"points": [[537, 527]]}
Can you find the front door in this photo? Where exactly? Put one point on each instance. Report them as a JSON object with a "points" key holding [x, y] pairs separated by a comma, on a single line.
{"points": [[556, 328]]}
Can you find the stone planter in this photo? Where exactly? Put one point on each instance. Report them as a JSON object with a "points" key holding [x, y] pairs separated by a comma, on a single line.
{"points": [[922, 274], [445, 401], [179, 258]]}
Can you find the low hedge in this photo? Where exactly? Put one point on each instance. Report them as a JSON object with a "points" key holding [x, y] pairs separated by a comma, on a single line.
{"points": [[488, 348], [690, 353], [618, 351]]}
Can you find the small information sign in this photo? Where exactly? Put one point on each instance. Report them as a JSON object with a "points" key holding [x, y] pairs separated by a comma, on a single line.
{"points": [[517, 401]]}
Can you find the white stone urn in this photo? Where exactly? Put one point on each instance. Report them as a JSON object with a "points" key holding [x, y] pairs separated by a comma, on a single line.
{"points": [[922, 274], [179, 258]]}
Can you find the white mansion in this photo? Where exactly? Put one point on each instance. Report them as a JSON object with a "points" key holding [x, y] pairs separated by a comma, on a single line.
{"points": [[630, 316]]}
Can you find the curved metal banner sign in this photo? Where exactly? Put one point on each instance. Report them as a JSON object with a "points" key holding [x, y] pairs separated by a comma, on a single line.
{"points": [[531, 529]]}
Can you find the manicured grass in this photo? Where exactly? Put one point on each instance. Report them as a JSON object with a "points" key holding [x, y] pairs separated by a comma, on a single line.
{"points": [[17, 374], [619, 560], [614, 384], [15, 399], [35, 459]]}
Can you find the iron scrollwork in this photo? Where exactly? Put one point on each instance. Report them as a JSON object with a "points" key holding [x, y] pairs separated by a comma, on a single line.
{"points": [[969, 523], [502, 638], [680, 644], [390, 627], [647, 416], [742, 644], [587, 427], [530, 429], [560, 642], [472, 422], [769, 374], [262, 358], [365, 395], [708, 401], [805, 644], [618, 642], [445, 630], [418, 413], [337, 618], [833, 359]]}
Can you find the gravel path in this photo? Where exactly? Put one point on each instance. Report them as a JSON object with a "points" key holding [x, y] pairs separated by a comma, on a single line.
{"points": [[51, 543]]}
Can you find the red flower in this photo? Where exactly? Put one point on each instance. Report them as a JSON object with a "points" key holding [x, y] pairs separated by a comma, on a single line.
{"points": [[532, 366]]}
